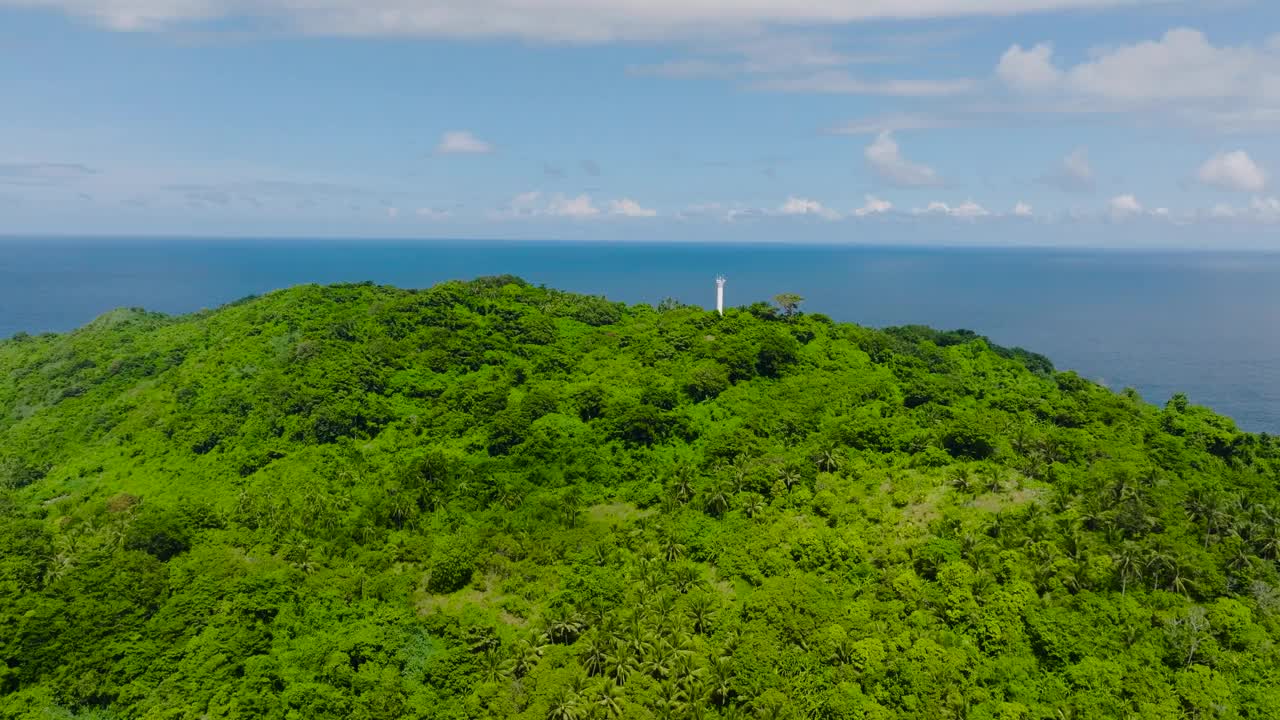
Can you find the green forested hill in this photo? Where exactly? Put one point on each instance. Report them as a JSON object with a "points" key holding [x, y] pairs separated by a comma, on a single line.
{"points": [[491, 500]]}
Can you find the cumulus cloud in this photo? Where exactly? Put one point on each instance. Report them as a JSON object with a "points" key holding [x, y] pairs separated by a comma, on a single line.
{"points": [[1259, 210], [804, 206], [572, 207], [626, 207], [1124, 206], [462, 142], [1029, 70], [522, 205], [564, 20], [1228, 87], [1266, 209], [873, 206], [1233, 171], [1074, 174], [526, 199], [1222, 211], [534, 204], [885, 158], [966, 210], [1023, 210], [430, 213]]}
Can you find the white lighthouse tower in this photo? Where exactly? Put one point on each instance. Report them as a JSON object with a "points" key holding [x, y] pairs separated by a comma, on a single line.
{"points": [[720, 294]]}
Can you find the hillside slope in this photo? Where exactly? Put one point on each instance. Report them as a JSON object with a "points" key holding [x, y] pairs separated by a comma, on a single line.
{"points": [[491, 500]]}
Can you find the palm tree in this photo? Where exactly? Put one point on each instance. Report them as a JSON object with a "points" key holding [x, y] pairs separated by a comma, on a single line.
{"points": [[595, 654], [1208, 509], [492, 665], [658, 667], [829, 459], [1268, 539], [991, 478], [672, 549], [1178, 580], [670, 702], [621, 662], [682, 482], [722, 677], [753, 504], [564, 706], [770, 708], [1128, 563], [640, 640], [684, 577], [701, 612], [720, 499], [608, 699], [565, 629], [962, 479], [526, 657], [844, 651]]}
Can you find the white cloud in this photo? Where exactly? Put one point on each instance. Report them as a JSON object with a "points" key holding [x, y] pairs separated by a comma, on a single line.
{"points": [[563, 20], [1125, 206], [873, 206], [1028, 70], [428, 213], [462, 142], [1260, 210], [1266, 209], [1226, 87], [1223, 211], [534, 204], [805, 206], [1023, 210], [626, 207], [526, 199], [885, 158], [575, 207], [524, 204], [967, 210], [1233, 171], [1075, 174], [393, 213]]}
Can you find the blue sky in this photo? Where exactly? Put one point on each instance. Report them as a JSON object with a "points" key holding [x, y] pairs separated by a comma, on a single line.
{"points": [[1119, 123]]}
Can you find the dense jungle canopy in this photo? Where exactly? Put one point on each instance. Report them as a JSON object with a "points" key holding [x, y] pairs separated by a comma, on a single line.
{"points": [[493, 500]]}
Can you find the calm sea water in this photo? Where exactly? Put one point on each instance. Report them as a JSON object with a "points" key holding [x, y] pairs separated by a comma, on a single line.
{"points": [[1206, 324]]}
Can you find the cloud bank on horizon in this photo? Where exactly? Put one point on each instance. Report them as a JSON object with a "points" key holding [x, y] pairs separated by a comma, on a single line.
{"points": [[715, 119]]}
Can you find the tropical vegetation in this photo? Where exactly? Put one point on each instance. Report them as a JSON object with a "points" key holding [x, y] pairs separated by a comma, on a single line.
{"points": [[488, 499]]}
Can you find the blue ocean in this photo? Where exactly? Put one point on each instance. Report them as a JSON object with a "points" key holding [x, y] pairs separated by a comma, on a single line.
{"points": [[1206, 324]]}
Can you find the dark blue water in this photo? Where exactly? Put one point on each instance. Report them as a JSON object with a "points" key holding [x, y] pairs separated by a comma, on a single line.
{"points": [[1207, 324]]}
